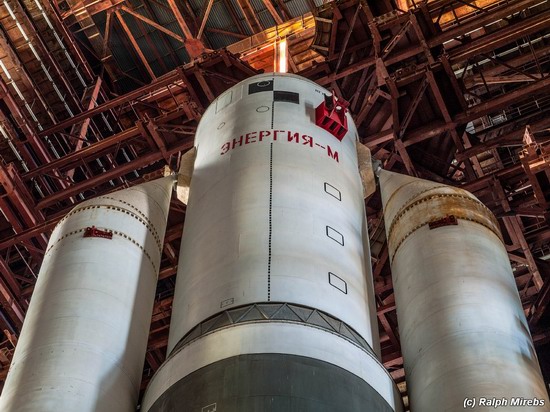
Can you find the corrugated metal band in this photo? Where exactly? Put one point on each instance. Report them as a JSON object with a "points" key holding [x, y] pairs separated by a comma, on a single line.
{"points": [[131, 206], [463, 207], [278, 312], [115, 233], [410, 199], [144, 221]]}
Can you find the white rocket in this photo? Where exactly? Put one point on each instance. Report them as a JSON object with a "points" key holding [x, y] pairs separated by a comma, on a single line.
{"points": [[274, 304]]}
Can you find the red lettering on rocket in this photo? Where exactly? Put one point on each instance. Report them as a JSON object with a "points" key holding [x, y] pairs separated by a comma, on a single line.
{"points": [[291, 136]]}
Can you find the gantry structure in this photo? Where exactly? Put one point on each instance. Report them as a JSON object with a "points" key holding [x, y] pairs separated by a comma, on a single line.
{"points": [[100, 95]]}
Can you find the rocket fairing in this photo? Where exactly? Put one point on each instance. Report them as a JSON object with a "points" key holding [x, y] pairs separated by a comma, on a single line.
{"points": [[83, 342], [274, 304], [464, 336]]}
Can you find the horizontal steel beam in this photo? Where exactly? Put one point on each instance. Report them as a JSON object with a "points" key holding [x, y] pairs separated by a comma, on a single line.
{"points": [[141, 93], [115, 172]]}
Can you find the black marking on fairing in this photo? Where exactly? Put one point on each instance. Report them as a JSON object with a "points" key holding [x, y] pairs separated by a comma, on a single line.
{"points": [[263, 86], [288, 97]]}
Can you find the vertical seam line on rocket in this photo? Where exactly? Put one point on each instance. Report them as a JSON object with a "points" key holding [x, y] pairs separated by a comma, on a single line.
{"points": [[270, 221], [272, 112], [270, 199]]}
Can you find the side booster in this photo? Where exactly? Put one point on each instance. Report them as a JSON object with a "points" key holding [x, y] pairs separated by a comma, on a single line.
{"points": [[84, 338], [465, 339], [274, 307]]}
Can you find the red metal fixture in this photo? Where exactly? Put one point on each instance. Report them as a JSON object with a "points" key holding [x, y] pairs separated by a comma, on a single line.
{"points": [[446, 221], [95, 232], [331, 116]]}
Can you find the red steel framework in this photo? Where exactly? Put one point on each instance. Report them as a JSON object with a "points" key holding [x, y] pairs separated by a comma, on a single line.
{"points": [[441, 89]]}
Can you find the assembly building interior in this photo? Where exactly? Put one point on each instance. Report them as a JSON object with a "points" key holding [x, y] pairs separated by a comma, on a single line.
{"points": [[96, 96]]}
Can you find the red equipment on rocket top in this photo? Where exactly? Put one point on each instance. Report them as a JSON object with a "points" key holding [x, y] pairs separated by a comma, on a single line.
{"points": [[331, 116]]}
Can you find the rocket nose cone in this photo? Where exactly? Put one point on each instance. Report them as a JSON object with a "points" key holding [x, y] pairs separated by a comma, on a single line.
{"points": [[150, 198], [157, 190]]}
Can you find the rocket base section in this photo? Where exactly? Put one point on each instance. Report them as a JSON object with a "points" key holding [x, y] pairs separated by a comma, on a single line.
{"points": [[277, 366], [270, 382]]}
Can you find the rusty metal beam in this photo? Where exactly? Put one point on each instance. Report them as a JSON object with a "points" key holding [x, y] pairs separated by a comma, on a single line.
{"points": [[500, 37], [238, 24], [513, 137], [205, 18], [135, 45], [153, 24], [97, 41], [20, 196], [444, 110], [513, 225], [394, 339], [181, 20], [269, 6], [24, 123], [104, 177], [239, 36], [107, 36], [507, 9], [347, 36], [40, 44], [30, 233], [7, 46], [152, 130], [500, 102], [68, 39], [537, 301], [94, 149], [8, 300], [89, 101], [250, 15], [485, 42], [482, 109], [170, 78], [413, 106]]}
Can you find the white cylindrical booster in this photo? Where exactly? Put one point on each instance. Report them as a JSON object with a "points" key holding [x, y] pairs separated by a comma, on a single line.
{"points": [[274, 304], [464, 336], [83, 342]]}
